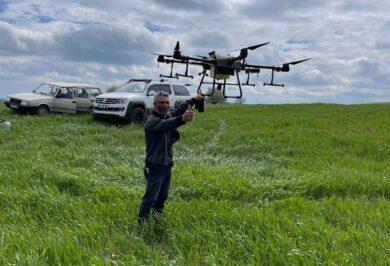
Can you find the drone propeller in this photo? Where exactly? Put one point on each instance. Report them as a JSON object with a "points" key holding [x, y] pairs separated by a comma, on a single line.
{"points": [[286, 66], [166, 55], [177, 47], [201, 56], [244, 52], [297, 62], [253, 47], [212, 54], [176, 51]]}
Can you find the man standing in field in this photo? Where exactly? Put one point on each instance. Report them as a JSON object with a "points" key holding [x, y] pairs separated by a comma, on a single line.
{"points": [[160, 134]]}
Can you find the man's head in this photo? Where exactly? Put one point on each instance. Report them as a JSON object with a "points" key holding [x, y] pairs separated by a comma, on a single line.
{"points": [[161, 102]]}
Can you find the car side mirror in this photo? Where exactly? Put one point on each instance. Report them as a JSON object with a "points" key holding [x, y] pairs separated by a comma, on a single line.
{"points": [[151, 93]]}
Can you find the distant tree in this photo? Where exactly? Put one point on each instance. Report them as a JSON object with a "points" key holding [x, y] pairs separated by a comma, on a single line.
{"points": [[217, 97], [242, 100], [111, 88]]}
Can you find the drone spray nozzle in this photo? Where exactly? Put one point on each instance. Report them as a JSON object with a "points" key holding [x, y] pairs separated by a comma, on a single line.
{"points": [[201, 73]]}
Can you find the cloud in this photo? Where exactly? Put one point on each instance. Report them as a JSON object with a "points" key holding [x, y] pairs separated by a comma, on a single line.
{"points": [[19, 41], [109, 42], [118, 45], [192, 5], [93, 43]]}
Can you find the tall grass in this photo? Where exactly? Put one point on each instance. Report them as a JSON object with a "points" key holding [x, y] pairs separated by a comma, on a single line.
{"points": [[261, 184]]}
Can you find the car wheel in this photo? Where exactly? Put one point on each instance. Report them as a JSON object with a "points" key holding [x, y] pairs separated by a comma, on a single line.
{"points": [[138, 116], [90, 111], [42, 110]]}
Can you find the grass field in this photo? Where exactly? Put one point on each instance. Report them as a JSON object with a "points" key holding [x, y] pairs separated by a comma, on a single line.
{"points": [[260, 184]]}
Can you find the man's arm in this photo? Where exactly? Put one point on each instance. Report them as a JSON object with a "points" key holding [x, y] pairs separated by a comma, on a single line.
{"points": [[182, 108], [162, 125]]}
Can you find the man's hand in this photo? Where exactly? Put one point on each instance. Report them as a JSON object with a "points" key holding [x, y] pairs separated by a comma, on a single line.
{"points": [[199, 97], [188, 115]]}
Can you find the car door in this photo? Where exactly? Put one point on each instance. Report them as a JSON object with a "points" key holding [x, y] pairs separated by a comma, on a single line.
{"points": [[83, 101], [64, 101], [150, 98]]}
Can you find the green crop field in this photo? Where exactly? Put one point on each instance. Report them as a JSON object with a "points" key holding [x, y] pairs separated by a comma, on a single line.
{"points": [[252, 184]]}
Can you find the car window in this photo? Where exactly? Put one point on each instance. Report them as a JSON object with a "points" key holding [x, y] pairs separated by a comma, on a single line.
{"points": [[47, 89], [180, 90], [65, 93], [155, 88], [132, 87], [81, 93], [162, 87], [166, 88], [94, 91]]}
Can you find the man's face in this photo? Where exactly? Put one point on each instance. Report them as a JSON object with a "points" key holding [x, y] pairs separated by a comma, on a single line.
{"points": [[162, 105]]}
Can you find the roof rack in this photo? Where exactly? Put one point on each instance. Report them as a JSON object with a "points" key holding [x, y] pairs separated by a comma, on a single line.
{"points": [[140, 80]]}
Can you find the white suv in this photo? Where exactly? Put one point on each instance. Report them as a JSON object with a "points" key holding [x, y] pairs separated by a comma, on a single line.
{"points": [[133, 100]]}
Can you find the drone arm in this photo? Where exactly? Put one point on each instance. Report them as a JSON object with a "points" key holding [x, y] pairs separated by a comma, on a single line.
{"points": [[246, 66]]}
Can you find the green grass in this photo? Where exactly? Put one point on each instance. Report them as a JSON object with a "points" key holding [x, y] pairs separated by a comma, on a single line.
{"points": [[261, 184]]}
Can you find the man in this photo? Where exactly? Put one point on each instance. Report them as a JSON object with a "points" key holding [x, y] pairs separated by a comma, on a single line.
{"points": [[160, 134]]}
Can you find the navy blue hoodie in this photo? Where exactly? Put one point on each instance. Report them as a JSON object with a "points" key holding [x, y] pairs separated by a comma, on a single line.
{"points": [[160, 134]]}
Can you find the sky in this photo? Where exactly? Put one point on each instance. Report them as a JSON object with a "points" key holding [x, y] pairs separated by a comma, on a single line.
{"points": [[108, 42]]}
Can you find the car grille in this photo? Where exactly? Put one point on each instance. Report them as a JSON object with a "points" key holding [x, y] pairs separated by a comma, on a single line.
{"points": [[118, 109], [107, 100], [14, 101]]}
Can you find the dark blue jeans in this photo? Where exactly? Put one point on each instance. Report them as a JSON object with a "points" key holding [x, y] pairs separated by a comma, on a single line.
{"points": [[157, 187]]}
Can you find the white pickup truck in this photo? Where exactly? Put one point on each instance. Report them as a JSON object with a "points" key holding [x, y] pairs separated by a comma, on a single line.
{"points": [[133, 100]]}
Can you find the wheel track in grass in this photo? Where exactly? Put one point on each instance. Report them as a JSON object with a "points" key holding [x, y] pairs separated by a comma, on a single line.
{"points": [[221, 130], [213, 141]]}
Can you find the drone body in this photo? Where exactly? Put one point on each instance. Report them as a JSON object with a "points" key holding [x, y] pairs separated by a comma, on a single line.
{"points": [[221, 68]]}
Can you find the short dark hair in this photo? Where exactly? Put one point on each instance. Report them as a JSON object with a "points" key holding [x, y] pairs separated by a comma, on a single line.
{"points": [[160, 94]]}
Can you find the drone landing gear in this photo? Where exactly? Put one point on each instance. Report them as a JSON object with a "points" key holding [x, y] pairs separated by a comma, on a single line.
{"points": [[220, 86], [247, 82], [185, 75], [272, 81], [170, 75]]}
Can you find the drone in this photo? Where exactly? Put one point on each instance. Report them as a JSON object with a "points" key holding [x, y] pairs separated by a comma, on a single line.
{"points": [[221, 68]]}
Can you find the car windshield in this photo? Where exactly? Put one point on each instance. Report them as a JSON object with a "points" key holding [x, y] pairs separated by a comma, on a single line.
{"points": [[133, 87], [47, 89], [94, 92]]}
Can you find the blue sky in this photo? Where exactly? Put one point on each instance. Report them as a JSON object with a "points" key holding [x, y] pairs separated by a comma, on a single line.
{"points": [[107, 42]]}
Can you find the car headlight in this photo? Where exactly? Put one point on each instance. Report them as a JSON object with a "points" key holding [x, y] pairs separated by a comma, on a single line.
{"points": [[24, 103], [122, 100]]}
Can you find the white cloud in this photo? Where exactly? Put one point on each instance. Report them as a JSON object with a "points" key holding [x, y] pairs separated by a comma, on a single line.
{"points": [[108, 42]]}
